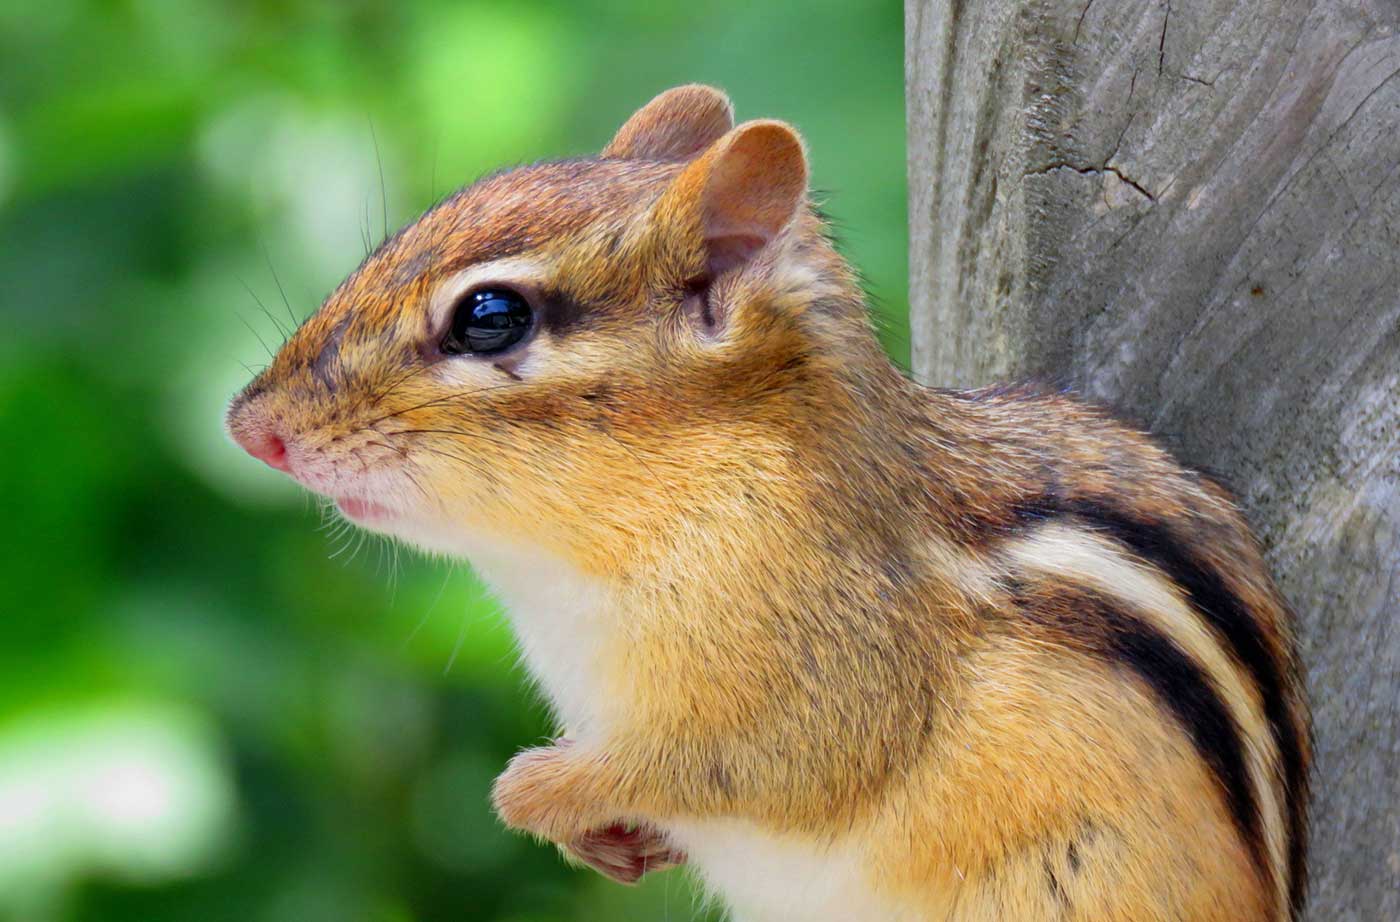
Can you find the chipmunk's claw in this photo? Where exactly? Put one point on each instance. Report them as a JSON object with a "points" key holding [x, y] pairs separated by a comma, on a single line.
{"points": [[624, 853]]}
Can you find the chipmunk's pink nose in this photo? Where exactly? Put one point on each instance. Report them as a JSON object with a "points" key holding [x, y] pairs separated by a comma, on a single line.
{"points": [[269, 449]]}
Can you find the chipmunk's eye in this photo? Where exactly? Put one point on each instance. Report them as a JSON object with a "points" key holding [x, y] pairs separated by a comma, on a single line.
{"points": [[488, 321]]}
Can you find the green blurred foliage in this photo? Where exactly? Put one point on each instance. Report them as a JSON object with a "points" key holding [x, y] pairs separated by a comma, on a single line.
{"points": [[213, 703]]}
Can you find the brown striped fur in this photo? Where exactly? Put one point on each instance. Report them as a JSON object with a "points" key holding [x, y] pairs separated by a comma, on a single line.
{"points": [[834, 611]]}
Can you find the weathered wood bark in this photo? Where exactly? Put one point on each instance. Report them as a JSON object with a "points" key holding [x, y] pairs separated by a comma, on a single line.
{"points": [[1191, 210]]}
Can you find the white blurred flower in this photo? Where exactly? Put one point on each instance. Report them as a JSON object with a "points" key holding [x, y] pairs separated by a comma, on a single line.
{"points": [[313, 176], [138, 793]]}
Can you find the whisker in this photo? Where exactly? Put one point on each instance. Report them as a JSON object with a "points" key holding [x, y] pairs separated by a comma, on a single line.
{"points": [[460, 433], [359, 546], [457, 646], [383, 189], [395, 568], [393, 385], [339, 551], [444, 399], [635, 457], [277, 324], [280, 290], [413, 479], [470, 462], [364, 228], [378, 444], [447, 577], [404, 451], [261, 341], [461, 634]]}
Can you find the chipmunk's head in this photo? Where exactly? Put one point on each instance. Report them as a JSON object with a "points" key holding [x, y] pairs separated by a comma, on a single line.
{"points": [[571, 351]]}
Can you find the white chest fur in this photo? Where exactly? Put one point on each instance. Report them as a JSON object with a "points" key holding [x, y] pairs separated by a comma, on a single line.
{"points": [[562, 623], [766, 878]]}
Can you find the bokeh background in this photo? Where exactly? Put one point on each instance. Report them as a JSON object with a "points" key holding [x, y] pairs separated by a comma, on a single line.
{"points": [[215, 705]]}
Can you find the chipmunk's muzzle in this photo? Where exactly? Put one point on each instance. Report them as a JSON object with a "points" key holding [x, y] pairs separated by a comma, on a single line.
{"points": [[353, 467]]}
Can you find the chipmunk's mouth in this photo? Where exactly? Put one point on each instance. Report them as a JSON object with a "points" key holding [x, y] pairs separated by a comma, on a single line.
{"points": [[363, 511]]}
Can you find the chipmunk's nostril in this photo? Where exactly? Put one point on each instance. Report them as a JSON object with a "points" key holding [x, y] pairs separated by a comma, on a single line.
{"points": [[268, 448]]}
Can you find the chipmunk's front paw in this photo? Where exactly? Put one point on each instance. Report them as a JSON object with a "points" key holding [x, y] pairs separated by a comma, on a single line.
{"points": [[542, 792], [624, 853]]}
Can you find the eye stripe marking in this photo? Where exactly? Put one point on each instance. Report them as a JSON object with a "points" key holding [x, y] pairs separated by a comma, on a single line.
{"points": [[522, 274], [326, 359]]}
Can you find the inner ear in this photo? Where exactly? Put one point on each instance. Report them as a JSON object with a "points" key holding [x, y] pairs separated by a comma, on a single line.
{"points": [[754, 185], [700, 310], [729, 251], [736, 198]]}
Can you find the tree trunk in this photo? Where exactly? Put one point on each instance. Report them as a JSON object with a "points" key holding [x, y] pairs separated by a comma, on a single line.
{"points": [[1191, 211]]}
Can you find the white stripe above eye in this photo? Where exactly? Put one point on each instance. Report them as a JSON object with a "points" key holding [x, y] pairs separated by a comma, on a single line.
{"points": [[1082, 557], [525, 274]]}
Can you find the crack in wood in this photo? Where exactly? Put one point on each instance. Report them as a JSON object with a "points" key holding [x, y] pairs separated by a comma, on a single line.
{"points": [[1162, 43], [1095, 171], [1080, 24]]}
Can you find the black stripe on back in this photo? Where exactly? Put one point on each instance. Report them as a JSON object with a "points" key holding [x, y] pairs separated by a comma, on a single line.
{"points": [[1091, 622], [1234, 624]]}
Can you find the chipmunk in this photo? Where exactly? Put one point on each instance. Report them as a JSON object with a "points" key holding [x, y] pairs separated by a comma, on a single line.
{"points": [[853, 648]]}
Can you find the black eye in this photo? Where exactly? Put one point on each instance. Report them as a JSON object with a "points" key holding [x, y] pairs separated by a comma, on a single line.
{"points": [[488, 321]]}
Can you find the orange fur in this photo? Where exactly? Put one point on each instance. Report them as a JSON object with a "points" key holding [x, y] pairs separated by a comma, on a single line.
{"points": [[809, 620]]}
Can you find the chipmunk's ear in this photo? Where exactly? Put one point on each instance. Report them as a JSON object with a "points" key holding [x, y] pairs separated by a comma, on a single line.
{"points": [[741, 193], [676, 125]]}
